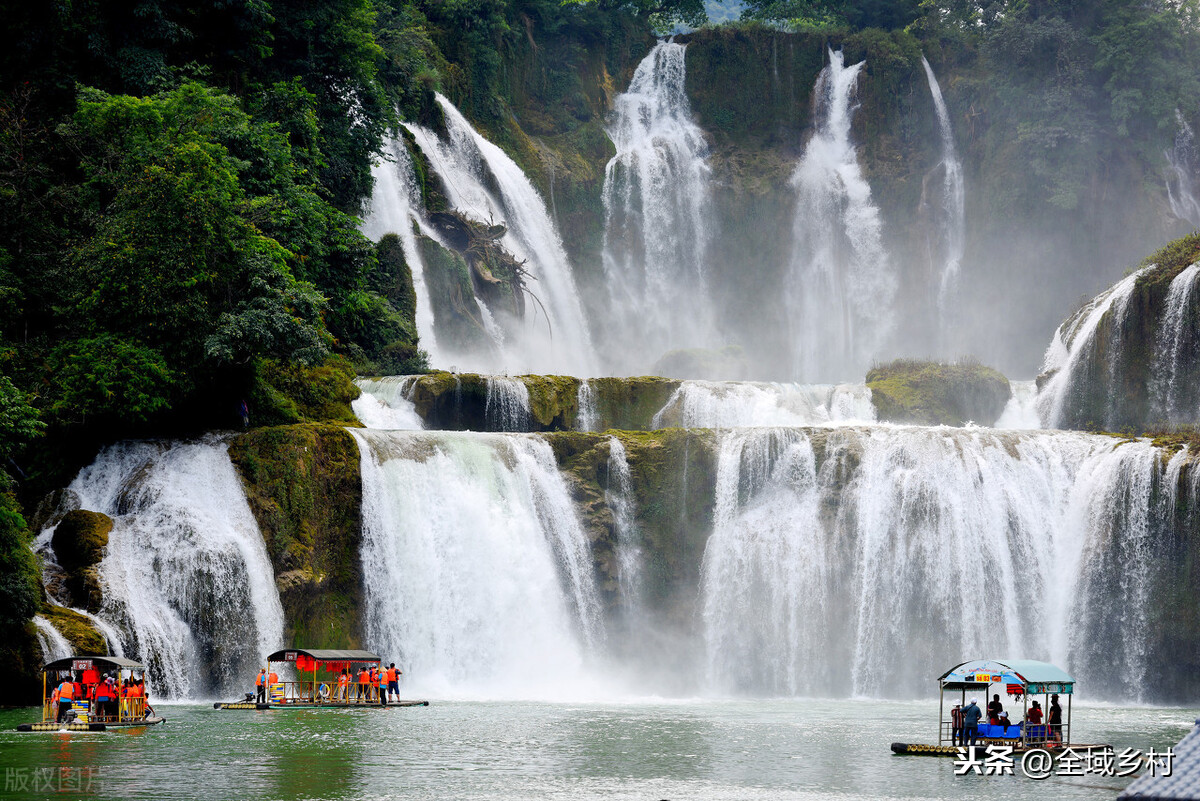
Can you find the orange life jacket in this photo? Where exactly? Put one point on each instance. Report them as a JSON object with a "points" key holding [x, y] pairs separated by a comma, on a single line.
{"points": [[364, 677], [272, 678], [343, 680], [391, 674], [383, 679], [66, 691], [54, 696], [261, 680]]}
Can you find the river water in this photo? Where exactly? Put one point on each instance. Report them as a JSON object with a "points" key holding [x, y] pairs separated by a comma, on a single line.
{"points": [[643, 749]]}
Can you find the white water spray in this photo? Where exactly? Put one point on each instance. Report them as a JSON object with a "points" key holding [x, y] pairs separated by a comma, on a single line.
{"points": [[186, 577], [950, 215], [656, 201], [1177, 343], [385, 403], [840, 291], [477, 573], [470, 166], [733, 404], [1181, 181], [53, 644]]}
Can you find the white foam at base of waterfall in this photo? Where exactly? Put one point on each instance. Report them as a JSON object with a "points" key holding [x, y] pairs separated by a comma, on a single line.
{"points": [[477, 574], [1020, 413], [186, 578], [732, 404], [385, 404]]}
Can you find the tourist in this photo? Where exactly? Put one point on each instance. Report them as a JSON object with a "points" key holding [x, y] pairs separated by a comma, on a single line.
{"points": [[394, 681], [261, 684], [994, 709], [1054, 719], [66, 695], [103, 695], [272, 680], [343, 689], [1034, 715], [971, 714], [364, 679], [383, 687], [956, 725], [54, 704]]}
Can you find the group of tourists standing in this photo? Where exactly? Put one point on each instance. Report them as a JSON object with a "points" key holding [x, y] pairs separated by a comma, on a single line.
{"points": [[964, 720], [103, 693], [368, 686]]}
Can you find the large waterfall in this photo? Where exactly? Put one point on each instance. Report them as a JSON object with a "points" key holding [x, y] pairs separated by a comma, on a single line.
{"points": [[656, 199], [477, 574], [1178, 341], [481, 181], [840, 290], [186, 577], [937, 546], [734, 404], [948, 230], [1181, 180]]}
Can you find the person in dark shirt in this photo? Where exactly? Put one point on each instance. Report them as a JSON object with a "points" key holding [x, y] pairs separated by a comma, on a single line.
{"points": [[971, 715], [994, 709], [1054, 719]]}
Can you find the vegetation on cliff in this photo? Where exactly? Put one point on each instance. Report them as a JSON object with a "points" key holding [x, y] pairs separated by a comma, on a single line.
{"points": [[934, 393], [304, 487]]}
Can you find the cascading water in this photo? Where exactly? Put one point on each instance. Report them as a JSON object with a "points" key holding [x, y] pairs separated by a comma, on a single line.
{"points": [[1020, 412], [949, 215], [469, 166], [1067, 355], [1178, 341], [506, 405], [727, 404], [186, 578], [620, 499], [840, 290], [656, 199], [1181, 181], [393, 209], [477, 574], [385, 404], [587, 418], [53, 644], [850, 564]]}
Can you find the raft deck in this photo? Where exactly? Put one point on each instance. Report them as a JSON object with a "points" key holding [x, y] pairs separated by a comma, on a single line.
{"points": [[923, 749], [311, 705], [90, 726]]}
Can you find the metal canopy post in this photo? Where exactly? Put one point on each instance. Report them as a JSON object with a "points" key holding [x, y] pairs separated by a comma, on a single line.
{"points": [[942, 710]]}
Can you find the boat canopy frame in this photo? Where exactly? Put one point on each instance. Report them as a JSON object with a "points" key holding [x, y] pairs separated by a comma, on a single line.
{"points": [[88, 662], [1022, 678]]}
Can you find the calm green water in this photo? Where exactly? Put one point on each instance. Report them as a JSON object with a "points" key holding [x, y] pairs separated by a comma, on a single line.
{"points": [[779, 749]]}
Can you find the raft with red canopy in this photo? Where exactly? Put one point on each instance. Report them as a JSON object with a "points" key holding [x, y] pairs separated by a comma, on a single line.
{"points": [[313, 680]]}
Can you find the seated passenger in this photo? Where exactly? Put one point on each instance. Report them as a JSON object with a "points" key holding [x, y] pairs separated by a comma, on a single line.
{"points": [[1034, 715]]}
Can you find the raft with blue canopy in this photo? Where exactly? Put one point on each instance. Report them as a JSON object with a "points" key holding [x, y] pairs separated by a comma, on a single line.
{"points": [[1023, 679]]}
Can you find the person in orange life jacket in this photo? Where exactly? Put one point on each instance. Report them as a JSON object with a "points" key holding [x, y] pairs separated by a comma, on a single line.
{"points": [[66, 696], [363, 678], [343, 685], [272, 679], [260, 684], [54, 704], [383, 687], [394, 681], [104, 694]]}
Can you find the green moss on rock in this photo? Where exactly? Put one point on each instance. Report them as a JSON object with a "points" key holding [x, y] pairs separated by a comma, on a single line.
{"points": [[933, 393], [78, 629], [80, 538], [304, 486]]}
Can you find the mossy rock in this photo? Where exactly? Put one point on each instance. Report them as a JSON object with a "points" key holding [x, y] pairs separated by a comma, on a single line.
{"points": [[934, 393], [80, 632], [304, 486], [80, 539]]}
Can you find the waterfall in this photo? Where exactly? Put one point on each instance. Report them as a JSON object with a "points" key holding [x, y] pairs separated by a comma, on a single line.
{"points": [[1178, 341], [588, 416], [385, 403], [950, 216], [506, 406], [1072, 345], [54, 645], [393, 209], [186, 577], [656, 202], [620, 499], [485, 184], [1021, 410], [732, 404], [937, 545], [477, 574], [1181, 158], [840, 289]]}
